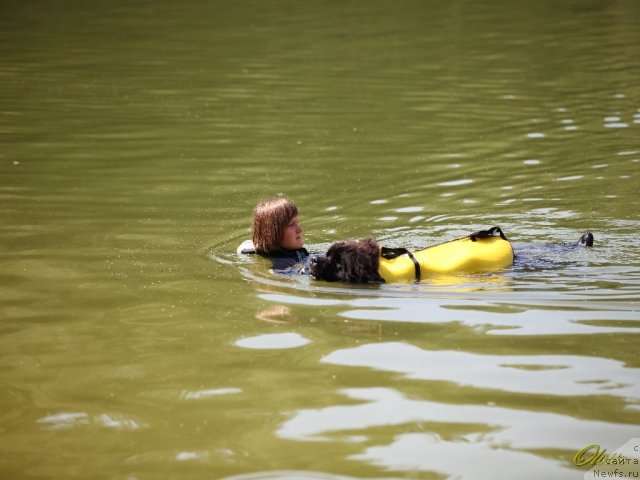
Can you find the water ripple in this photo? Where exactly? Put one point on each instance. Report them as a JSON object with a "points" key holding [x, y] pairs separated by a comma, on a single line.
{"points": [[564, 375], [502, 434]]}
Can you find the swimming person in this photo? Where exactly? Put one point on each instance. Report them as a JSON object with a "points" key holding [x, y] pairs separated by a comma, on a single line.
{"points": [[277, 235]]}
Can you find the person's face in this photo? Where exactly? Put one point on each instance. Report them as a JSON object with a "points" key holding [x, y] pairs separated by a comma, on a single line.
{"points": [[292, 237]]}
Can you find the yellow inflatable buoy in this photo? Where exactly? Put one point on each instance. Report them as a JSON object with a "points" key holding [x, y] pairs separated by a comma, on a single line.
{"points": [[481, 251]]}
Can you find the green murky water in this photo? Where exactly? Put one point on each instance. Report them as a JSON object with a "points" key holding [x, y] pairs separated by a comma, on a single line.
{"points": [[135, 139]]}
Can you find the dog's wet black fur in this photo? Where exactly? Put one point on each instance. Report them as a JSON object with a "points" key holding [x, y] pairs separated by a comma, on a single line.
{"points": [[354, 261], [586, 240], [349, 261]]}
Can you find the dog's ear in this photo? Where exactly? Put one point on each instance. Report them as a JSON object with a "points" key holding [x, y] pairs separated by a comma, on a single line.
{"points": [[323, 269], [318, 266], [371, 252], [370, 245]]}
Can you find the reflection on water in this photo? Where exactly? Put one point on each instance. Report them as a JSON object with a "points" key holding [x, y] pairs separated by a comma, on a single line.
{"points": [[135, 139], [288, 475], [200, 394], [483, 432], [66, 420], [495, 314], [273, 341], [532, 374], [423, 452]]}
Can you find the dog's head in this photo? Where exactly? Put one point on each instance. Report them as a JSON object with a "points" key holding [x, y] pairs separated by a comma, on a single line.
{"points": [[349, 261]]}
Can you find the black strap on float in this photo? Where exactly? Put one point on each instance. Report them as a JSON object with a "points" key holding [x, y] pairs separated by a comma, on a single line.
{"points": [[488, 233], [416, 264], [391, 253]]}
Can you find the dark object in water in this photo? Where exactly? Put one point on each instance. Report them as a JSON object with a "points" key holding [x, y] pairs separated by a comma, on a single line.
{"points": [[586, 240]]}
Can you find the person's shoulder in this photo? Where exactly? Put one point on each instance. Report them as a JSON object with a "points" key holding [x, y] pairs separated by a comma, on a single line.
{"points": [[246, 247], [286, 260]]}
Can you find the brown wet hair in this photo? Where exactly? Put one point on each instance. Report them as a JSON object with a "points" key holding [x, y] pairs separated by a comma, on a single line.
{"points": [[270, 219]]}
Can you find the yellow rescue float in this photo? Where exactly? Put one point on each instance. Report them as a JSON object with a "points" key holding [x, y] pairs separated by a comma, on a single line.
{"points": [[485, 250]]}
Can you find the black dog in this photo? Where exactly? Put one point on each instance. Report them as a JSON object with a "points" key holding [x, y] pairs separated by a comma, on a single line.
{"points": [[358, 261], [349, 261]]}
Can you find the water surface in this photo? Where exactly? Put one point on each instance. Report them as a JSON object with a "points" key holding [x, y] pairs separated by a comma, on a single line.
{"points": [[135, 139]]}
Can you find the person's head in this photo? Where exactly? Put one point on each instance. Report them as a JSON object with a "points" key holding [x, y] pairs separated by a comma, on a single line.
{"points": [[275, 226]]}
